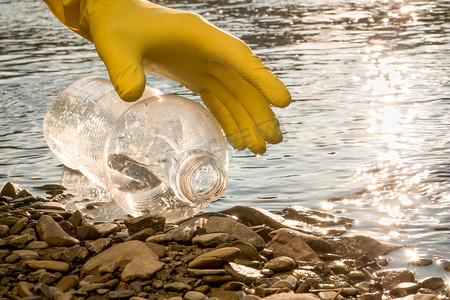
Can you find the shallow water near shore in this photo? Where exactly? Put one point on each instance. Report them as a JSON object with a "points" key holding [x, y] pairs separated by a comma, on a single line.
{"points": [[367, 135]]}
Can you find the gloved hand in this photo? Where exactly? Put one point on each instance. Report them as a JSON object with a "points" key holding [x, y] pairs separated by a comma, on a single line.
{"points": [[136, 35]]}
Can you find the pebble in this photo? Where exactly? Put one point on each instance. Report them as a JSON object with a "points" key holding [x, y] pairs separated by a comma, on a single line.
{"points": [[211, 256], [52, 233], [280, 264]]}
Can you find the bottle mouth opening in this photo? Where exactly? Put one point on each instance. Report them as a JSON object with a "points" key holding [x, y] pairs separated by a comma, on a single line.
{"points": [[199, 177]]}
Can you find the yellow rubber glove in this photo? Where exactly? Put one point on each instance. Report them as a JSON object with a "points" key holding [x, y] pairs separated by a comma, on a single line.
{"points": [[136, 35]]}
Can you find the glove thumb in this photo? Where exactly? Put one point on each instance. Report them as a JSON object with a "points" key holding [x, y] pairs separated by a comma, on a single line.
{"points": [[124, 66]]}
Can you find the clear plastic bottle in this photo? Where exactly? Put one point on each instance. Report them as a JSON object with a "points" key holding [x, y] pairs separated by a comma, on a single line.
{"points": [[163, 154]]}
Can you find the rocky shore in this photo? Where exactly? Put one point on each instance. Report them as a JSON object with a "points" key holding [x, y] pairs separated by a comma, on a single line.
{"points": [[47, 252]]}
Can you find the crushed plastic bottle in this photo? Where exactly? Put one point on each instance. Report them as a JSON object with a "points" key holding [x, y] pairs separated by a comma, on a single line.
{"points": [[163, 154]]}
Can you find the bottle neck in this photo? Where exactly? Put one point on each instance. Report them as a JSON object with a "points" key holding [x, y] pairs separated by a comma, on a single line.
{"points": [[198, 176]]}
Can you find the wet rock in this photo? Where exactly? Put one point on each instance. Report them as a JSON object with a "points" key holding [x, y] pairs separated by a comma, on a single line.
{"points": [[204, 272], [98, 245], [47, 206], [141, 235], [206, 263], [26, 254], [338, 267], [158, 249], [235, 229], [248, 251], [391, 277], [19, 226], [224, 295], [10, 190], [212, 239], [76, 255], [142, 267], [216, 279], [371, 296], [160, 238], [364, 245], [314, 217], [292, 296], [77, 219], [316, 243], [3, 230], [225, 254], [403, 289], [58, 266], [178, 287], [68, 282], [280, 264], [154, 222], [121, 294], [186, 231], [108, 228], [193, 295], [251, 216], [432, 283], [242, 273], [52, 233], [288, 244], [422, 262], [87, 232], [124, 252]]}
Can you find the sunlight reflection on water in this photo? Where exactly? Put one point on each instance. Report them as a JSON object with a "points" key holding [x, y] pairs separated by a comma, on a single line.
{"points": [[367, 134]]}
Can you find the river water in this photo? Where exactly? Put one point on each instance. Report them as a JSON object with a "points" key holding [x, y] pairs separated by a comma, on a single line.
{"points": [[367, 135]]}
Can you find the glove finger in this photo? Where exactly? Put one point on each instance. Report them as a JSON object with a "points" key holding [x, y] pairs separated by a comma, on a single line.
{"points": [[225, 120], [241, 58], [124, 67], [247, 128], [252, 100]]}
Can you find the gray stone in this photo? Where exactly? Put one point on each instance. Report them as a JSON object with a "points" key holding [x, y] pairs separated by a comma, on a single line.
{"points": [[235, 229], [52, 233], [280, 264], [287, 244], [154, 222], [58, 266], [119, 253], [141, 268], [212, 239]]}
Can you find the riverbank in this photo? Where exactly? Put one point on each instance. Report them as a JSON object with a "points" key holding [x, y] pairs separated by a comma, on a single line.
{"points": [[49, 252]]}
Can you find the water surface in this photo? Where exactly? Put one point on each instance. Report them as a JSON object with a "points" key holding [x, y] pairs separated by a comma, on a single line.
{"points": [[367, 135]]}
